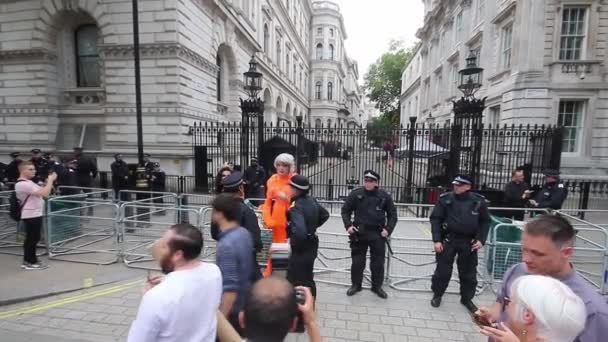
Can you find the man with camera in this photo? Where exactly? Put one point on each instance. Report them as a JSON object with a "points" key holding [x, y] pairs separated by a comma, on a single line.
{"points": [[374, 221], [274, 307]]}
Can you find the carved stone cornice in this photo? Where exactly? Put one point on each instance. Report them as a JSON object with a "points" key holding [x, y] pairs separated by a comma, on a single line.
{"points": [[28, 55], [169, 50]]}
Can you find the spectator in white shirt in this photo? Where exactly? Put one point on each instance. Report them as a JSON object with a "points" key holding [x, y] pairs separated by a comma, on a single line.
{"points": [[183, 306]]}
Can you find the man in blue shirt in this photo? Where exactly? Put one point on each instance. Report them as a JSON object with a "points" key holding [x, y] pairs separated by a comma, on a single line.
{"points": [[233, 257]]}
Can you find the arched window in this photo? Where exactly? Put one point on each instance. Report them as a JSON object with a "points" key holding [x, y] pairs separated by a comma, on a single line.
{"points": [[330, 91], [318, 123], [218, 80], [87, 57], [266, 38], [331, 52], [319, 51], [318, 90], [278, 59]]}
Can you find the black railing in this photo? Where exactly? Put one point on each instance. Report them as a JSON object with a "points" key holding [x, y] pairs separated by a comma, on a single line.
{"points": [[582, 194]]}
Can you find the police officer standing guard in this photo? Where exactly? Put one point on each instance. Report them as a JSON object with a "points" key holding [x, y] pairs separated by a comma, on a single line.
{"points": [[120, 177], [303, 218], [459, 223], [553, 193], [12, 170], [375, 220], [233, 184]]}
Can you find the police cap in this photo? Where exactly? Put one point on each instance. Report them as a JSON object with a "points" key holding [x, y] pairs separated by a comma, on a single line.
{"points": [[551, 173], [35, 150], [371, 174], [462, 180], [300, 182], [156, 164], [15, 154], [233, 181]]}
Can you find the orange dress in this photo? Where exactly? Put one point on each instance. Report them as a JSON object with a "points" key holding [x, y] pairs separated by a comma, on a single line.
{"points": [[275, 209]]}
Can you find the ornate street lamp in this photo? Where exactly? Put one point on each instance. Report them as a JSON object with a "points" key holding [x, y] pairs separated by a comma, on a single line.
{"points": [[251, 108], [471, 76], [468, 113]]}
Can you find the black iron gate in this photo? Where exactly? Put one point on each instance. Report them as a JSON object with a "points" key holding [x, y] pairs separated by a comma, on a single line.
{"points": [[412, 160]]}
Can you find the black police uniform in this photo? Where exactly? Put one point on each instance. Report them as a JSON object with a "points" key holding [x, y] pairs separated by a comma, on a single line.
{"points": [[551, 195], [120, 178], [374, 210], [12, 170], [157, 183], [247, 219], [86, 171], [303, 218], [42, 169], [255, 176], [513, 199], [456, 221]]}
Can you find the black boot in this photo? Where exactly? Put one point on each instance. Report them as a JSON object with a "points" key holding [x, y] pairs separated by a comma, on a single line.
{"points": [[436, 301], [471, 307], [380, 292], [353, 289]]}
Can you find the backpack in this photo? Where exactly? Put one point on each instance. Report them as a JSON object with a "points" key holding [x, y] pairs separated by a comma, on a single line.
{"points": [[15, 206]]}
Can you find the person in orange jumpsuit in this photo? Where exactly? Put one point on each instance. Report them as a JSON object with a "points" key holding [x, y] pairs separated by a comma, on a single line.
{"points": [[278, 200]]}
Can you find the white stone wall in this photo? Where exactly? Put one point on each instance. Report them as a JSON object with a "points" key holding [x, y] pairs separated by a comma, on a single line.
{"points": [[528, 91], [41, 106]]}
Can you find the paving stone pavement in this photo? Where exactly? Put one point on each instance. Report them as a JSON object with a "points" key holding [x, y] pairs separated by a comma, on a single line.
{"points": [[93, 315]]}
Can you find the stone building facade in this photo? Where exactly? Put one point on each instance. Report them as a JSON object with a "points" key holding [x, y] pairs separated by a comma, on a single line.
{"points": [[67, 73], [544, 61]]}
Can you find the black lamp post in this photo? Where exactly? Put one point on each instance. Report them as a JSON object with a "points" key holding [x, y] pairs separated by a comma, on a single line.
{"points": [[141, 179], [410, 158], [251, 108], [468, 112]]}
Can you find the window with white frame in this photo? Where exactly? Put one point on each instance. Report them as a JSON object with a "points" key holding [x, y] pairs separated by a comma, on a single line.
{"points": [[570, 118], [319, 51], [319, 31], [287, 64], [458, 27], [573, 33], [506, 44], [278, 54], [493, 116], [330, 91], [266, 39], [480, 9], [318, 90], [87, 57], [454, 78]]}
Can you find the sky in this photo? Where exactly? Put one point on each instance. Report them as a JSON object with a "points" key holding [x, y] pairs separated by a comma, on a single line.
{"points": [[371, 24]]}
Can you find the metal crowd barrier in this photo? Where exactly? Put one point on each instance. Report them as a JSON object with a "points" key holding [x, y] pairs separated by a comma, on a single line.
{"points": [[83, 228], [11, 233], [138, 232]]}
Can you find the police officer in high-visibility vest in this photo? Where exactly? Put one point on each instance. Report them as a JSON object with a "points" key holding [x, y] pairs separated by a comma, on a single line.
{"points": [[459, 223], [374, 221], [304, 216]]}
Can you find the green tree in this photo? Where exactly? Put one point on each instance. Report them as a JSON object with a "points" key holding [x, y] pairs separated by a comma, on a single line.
{"points": [[383, 80], [380, 130]]}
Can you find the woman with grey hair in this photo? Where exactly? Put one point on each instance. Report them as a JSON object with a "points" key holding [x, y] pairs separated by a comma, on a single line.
{"points": [[278, 199], [540, 308]]}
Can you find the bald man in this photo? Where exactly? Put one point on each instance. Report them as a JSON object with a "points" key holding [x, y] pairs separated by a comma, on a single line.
{"points": [[271, 311]]}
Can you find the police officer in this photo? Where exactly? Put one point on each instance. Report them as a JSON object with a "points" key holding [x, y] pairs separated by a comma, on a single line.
{"points": [[375, 220], [255, 176], [86, 170], [515, 195], [552, 195], [157, 183], [120, 177], [303, 218], [41, 165], [149, 165], [459, 223], [233, 184], [12, 170]]}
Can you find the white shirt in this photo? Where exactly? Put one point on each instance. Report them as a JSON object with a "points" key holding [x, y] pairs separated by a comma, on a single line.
{"points": [[182, 308]]}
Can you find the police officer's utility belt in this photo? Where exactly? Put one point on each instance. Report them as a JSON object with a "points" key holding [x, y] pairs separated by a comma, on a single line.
{"points": [[456, 236], [368, 228]]}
